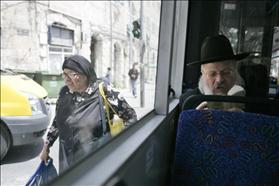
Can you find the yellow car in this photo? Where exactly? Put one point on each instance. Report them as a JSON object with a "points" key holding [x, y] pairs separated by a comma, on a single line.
{"points": [[25, 111]]}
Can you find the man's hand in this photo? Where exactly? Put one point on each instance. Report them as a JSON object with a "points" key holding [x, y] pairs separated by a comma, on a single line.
{"points": [[227, 106], [202, 106]]}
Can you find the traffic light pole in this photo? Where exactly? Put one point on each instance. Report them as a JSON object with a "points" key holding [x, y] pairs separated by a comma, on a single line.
{"points": [[142, 51]]}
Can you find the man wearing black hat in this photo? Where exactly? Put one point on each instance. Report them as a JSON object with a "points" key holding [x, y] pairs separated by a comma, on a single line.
{"points": [[219, 75]]}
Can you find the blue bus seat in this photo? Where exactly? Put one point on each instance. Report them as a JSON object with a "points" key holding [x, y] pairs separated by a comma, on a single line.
{"points": [[216, 147]]}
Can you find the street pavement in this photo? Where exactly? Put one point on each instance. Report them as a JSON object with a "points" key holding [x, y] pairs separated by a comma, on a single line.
{"points": [[135, 102]]}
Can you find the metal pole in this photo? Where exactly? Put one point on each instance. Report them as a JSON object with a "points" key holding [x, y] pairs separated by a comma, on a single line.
{"points": [[111, 63], [130, 38], [142, 50]]}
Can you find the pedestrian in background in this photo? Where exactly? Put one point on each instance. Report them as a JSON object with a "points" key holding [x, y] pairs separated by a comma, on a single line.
{"points": [[108, 76], [133, 74]]}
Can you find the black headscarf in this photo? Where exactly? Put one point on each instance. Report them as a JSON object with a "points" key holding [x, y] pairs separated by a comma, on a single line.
{"points": [[81, 65]]}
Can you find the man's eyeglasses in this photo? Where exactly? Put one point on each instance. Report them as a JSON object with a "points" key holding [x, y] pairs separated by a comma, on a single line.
{"points": [[213, 74], [70, 75]]}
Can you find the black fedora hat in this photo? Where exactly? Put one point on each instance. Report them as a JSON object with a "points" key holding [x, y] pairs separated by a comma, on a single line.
{"points": [[215, 49]]}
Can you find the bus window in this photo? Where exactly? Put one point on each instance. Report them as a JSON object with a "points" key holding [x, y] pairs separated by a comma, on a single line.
{"points": [[251, 27], [274, 67]]}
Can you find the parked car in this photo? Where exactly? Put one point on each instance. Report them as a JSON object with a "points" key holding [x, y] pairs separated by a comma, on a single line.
{"points": [[25, 111]]}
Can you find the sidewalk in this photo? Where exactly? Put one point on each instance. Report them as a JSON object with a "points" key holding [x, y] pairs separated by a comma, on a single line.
{"points": [[135, 102]]}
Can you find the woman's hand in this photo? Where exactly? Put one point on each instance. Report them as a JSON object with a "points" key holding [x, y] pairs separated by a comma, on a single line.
{"points": [[45, 152]]}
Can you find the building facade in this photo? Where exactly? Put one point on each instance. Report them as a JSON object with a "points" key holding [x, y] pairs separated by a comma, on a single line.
{"points": [[36, 36]]}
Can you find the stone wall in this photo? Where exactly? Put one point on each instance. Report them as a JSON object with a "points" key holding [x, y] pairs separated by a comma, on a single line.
{"points": [[101, 34]]}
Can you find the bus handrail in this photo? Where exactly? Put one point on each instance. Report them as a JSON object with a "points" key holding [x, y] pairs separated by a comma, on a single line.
{"points": [[193, 101]]}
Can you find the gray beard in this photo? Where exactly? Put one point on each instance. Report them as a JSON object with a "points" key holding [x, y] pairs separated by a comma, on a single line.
{"points": [[204, 89]]}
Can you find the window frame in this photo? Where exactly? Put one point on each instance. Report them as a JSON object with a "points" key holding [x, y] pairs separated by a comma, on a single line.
{"points": [[96, 164]]}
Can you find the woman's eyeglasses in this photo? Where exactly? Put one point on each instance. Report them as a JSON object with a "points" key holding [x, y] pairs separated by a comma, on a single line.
{"points": [[70, 75]]}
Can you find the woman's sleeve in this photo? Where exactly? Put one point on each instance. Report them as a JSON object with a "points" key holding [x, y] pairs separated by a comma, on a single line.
{"points": [[125, 111], [53, 133], [120, 105]]}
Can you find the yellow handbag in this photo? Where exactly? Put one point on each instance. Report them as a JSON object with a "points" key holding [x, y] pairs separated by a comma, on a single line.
{"points": [[116, 125]]}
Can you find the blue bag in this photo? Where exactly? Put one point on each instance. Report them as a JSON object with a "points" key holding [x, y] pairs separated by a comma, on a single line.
{"points": [[43, 174]]}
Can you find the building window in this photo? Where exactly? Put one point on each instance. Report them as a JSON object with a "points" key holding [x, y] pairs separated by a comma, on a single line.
{"points": [[61, 41], [56, 57], [60, 36]]}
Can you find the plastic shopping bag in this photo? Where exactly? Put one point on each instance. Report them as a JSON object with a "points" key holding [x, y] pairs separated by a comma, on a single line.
{"points": [[43, 174]]}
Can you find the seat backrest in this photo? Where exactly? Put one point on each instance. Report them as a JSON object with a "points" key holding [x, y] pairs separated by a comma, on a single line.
{"points": [[252, 104], [215, 147]]}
